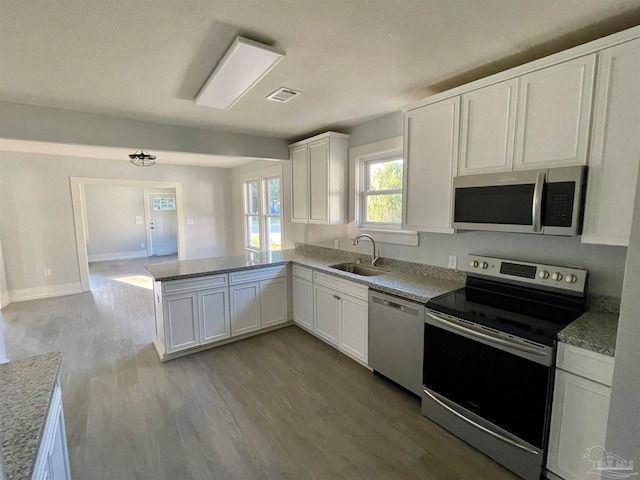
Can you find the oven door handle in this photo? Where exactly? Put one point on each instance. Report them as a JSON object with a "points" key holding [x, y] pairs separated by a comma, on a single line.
{"points": [[536, 212], [497, 435], [486, 336]]}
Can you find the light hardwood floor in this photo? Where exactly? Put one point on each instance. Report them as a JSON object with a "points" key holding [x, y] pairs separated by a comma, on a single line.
{"points": [[282, 405]]}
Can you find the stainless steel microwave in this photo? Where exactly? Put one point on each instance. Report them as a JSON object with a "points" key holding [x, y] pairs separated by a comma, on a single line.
{"points": [[548, 202]]}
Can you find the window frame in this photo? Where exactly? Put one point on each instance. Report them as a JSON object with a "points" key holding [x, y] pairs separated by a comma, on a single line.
{"points": [[362, 189], [261, 177]]}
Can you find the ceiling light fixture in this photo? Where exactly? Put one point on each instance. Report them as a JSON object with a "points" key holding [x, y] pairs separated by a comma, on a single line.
{"points": [[244, 64], [142, 158]]}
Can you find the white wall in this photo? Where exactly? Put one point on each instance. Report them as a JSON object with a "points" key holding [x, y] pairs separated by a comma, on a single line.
{"points": [[36, 218], [111, 213], [623, 431], [4, 290]]}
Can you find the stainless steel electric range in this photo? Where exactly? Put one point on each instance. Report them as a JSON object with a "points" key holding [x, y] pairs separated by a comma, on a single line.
{"points": [[489, 356]]}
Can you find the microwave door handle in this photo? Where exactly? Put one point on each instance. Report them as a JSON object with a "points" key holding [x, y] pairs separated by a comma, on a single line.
{"points": [[536, 212]]}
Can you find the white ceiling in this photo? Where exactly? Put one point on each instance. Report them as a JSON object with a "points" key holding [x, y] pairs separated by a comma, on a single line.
{"points": [[65, 150], [353, 60]]}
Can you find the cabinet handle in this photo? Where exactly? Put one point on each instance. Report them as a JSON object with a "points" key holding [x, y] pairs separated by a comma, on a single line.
{"points": [[336, 297]]}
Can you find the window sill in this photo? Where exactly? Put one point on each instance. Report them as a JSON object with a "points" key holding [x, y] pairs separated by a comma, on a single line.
{"points": [[396, 237]]}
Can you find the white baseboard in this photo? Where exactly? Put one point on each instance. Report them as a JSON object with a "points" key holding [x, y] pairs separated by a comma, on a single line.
{"points": [[44, 292], [4, 299], [103, 257]]}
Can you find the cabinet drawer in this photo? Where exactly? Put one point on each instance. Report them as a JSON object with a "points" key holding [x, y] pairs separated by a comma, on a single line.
{"points": [[343, 286], [179, 286], [587, 364], [257, 274], [303, 272]]}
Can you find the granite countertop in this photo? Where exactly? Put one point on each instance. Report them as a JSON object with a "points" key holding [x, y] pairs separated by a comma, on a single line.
{"points": [[26, 388], [595, 331], [420, 287]]}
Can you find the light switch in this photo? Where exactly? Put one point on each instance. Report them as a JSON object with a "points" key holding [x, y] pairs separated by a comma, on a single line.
{"points": [[139, 220], [189, 221]]}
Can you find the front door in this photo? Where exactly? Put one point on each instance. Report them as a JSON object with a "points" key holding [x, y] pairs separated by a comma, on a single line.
{"points": [[162, 224]]}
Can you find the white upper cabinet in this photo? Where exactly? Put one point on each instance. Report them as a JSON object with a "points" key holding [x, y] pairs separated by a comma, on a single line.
{"points": [[431, 155], [554, 110], [615, 147], [299, 178], [487, 128], [319, 179]]}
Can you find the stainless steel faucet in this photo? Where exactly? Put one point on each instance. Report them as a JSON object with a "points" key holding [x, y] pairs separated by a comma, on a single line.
{"points": [[374, 257]]}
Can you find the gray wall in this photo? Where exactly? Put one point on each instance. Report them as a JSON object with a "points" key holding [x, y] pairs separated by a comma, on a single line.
{"points": [[623, 431], [605, 264], [61, 126], [36, 217], [111, 219]]}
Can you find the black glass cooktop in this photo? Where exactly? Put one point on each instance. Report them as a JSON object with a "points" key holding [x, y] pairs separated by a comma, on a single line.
{"points": [[532, 314]]}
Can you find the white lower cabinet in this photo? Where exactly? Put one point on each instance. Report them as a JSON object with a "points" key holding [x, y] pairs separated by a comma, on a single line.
{"points": [[579, 412], [257, 305], [341, 314], [192, 313], [182, 320], [303, 302], [245, 308], [52, 462], [326, 313], [215, 320]]}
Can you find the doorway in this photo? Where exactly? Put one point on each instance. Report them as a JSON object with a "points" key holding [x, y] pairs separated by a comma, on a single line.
{"points": [[162, 231], [79, 215]]}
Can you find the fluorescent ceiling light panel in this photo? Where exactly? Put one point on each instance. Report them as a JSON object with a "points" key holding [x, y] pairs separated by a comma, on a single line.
{"points": [[244, 64]]}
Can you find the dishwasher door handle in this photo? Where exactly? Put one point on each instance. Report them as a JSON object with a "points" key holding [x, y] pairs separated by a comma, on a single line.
{"points": [[397, 306]]}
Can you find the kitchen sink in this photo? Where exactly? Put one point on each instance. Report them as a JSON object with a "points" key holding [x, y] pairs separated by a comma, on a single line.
{"points": [[358, 269]]}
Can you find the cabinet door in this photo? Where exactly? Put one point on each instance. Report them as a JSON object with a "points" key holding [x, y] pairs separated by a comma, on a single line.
{"points": [[578, 423], [326, 313], [354, 323], [319, 181], [299, 184], [245, 308], [303, 303], [431, 151], [182, 325], [554, 109], [615, 147], [215, 320], [487, 128], [273, 301]]}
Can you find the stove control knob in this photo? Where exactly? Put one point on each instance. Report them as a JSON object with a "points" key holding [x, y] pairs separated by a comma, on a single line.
{"points": [[557, 276], [485, 265], [571, 279], [475, 264], [543, 274]]}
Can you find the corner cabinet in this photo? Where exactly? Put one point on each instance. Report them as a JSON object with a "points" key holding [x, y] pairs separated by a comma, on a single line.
{"points": [[319, 173], [579, 412], [341, 314], [615, 147], [431, 152]]}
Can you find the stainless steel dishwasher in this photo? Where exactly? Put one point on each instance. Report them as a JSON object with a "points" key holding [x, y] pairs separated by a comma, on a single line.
{"points": [[396, 339]]}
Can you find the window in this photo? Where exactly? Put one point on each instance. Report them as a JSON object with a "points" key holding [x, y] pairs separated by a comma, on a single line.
{"points": [[263, 210], [380, 197]]}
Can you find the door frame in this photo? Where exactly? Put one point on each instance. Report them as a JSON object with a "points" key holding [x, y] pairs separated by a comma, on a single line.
{"points": [[147, 214], [77, 185]]}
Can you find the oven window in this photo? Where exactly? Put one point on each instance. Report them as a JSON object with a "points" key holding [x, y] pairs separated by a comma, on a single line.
{"points": [[504, 389], [504, 205]]}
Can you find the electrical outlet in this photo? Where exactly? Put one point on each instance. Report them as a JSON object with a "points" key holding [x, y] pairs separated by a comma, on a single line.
{"points": [[336, 244], [142, 245], [189, 221], [47, 272], [453, 261]]}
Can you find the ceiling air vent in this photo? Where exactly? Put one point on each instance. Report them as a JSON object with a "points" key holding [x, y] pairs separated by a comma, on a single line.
{"points": [[283, 95]]}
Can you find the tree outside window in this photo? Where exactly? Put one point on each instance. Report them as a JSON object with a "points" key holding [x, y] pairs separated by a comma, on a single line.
{"points": [[381, 201]]}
